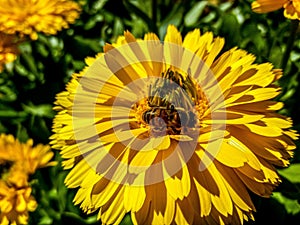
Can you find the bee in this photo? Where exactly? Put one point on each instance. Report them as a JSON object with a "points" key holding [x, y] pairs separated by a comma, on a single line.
{"points": [[174, 76], [184, 82], [170, 118], [170, 104], [173, 88]]}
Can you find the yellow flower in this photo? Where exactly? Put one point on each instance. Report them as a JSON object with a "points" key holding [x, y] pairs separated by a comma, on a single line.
{"points": [[15, 203], [22, 159], [172, 132], [28, 17], [17, 162], [291, 7], [8, 49]]}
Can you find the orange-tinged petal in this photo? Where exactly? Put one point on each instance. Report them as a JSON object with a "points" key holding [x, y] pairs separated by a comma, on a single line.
{"points": [[264, 6]]}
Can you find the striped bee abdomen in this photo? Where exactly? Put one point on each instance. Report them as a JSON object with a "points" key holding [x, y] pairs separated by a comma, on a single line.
{"points": [[171, 104]]}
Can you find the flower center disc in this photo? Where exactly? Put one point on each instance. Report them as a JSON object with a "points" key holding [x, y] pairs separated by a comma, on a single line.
{"points": [[170, 107]]}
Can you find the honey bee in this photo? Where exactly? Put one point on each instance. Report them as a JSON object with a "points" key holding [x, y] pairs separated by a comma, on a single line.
{"points": [[185, 83], [161, 117], [171, 104]]}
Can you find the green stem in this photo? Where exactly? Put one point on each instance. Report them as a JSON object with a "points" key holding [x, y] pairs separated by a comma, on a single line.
{"points": [[290, 43]]}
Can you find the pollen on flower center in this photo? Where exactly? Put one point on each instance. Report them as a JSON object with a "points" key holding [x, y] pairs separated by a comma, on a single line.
{"points": [[173, 106]]}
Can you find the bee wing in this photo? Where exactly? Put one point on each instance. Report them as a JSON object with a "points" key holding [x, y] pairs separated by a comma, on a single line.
{"points": [[181, 137]]}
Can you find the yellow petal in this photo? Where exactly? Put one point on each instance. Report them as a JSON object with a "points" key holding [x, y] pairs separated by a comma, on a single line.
{"points": [[142, 161], [77, 174], [265, 6], [261, 75], [211, 134], [256, 95], [261, 189], [115, 210], [170, 210], [21, 204], [178, 185], [231, 156], [221, 202], [173, 47], [173, 35], [252, 159], [134, 198], [121, 135], [179, 217], [192, 40], [103, 191], [158, 218], [237, 190], [161, 143], [205, 200], [229, 117], [265, 130]]}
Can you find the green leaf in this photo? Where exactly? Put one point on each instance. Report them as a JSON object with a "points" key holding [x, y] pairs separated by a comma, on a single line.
{"points": [[194, 13], [31, 65], [91, 23], [97, 5], [84, 45], [292, 173], [174, 17], [43, 110], [291, 206], [230, 29], [7, 93], [22, 134], [126, 220], [118, 28], [73, 218], [138, 12], [45, 220], [61, 192], [11, 114]]}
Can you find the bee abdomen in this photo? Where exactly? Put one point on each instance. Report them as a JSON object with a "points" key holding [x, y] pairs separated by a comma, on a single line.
{"points": [[169, 118]]}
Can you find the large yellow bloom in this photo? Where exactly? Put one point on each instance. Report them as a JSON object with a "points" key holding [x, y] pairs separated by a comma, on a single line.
{"points": [[17, 162], [8, 49], [28, 17], [291, 7], [172, 132]]}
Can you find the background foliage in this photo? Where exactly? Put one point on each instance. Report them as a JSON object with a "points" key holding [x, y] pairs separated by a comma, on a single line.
{"points": [[28, 86]]}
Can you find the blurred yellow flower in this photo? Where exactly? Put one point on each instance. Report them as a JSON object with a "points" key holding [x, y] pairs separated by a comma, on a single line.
{"points": [[8, 49], [28, 17], [172, 132], [18, 161], [291, 7], [15, 203]]}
